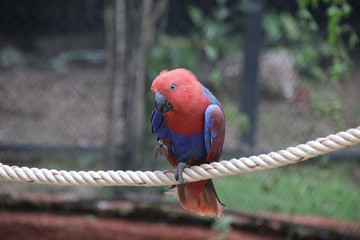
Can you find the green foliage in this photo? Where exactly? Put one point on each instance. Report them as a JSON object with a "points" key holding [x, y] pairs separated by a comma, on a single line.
{"points": [[233, 116], [171, 52], [321, 57], [214, 33], [215, 78], [323, 107]]}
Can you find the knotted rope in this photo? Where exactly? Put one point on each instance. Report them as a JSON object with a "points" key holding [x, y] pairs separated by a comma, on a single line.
{"points": [[234, 166]]}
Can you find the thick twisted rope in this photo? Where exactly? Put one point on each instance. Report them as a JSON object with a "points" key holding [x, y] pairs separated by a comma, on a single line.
{"points": [[291, 155]]}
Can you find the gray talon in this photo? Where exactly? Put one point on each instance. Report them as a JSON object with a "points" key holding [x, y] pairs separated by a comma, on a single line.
{"points": [[179, 172], [161, 149]]}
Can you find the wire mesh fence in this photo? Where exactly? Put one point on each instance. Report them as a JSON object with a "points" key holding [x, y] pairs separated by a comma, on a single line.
{"points": [[57, 93]]}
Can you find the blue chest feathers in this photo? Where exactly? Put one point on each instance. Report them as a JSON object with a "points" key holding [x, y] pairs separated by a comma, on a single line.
{"points": [[187, 147]]}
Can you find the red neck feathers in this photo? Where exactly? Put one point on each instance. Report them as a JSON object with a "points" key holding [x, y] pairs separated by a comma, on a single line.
{"points": [[190, 122]]}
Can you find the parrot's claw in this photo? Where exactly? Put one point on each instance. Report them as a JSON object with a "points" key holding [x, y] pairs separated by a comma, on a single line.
{"points": [[179, 172], [161, 149]]}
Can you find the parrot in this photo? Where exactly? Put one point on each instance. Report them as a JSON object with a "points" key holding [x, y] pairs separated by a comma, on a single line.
{"points": [[189, 125]]}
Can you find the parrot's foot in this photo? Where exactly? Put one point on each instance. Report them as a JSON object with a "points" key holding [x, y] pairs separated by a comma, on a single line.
{"points": [[161, 149], [179, 171]]}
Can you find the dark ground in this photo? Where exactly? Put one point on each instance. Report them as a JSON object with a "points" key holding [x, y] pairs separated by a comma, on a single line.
{"points": [[51, 217]]}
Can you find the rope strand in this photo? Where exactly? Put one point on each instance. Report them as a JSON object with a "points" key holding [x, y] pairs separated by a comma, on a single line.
{"points": [[223, 168]]}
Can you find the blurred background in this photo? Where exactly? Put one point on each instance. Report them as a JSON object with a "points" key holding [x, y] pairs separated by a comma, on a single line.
{"points": [[75, 94]]}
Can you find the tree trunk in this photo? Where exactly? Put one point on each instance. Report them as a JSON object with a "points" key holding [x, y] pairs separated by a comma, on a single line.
{"points": [[115, 41], [129, 47], [140, 78]]}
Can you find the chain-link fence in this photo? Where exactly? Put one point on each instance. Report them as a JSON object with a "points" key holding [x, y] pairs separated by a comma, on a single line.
{"points": [[59, 62]]}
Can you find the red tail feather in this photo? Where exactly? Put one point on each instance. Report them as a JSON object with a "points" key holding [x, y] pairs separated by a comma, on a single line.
{"points": [[204, 202]]}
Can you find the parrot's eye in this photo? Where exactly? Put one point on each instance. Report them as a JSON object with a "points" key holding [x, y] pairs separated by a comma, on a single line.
{"points": [[173, 87]]}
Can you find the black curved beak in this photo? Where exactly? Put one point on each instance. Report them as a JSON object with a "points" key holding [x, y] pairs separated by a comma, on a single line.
{"points": [[161, 103]]}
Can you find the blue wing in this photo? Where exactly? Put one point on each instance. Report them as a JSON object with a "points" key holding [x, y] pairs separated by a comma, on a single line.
{"points": [[214, 132], [158, 125]]}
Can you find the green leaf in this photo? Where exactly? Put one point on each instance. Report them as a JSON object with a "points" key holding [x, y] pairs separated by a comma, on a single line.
{"points": [[215, 77], [304, 14], [307, 3], [337, 70], [196, 15], [334, 11], [347, 9], [303, 3], [244, 122], [291, 27], [211, 52], [271, 24], [353, 39]]}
